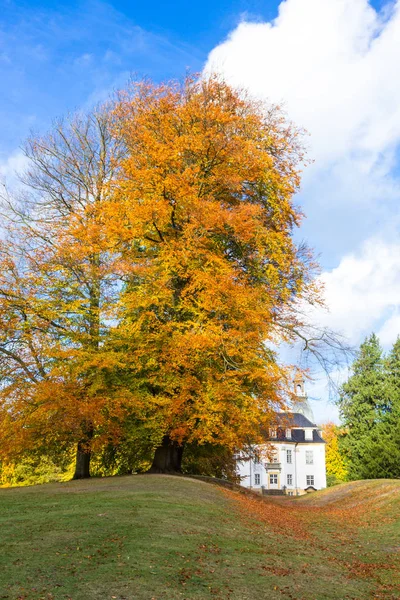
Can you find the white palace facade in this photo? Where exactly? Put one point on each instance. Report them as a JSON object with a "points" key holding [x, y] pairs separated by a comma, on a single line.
{"points": [[297, 462]]}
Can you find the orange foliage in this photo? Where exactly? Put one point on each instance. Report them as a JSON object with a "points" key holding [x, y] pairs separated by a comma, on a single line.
{"points": [[58, 294], [203, 214], [153, 272]]}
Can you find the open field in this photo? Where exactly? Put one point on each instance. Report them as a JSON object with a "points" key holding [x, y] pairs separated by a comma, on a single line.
{"points": [[160, 537]]}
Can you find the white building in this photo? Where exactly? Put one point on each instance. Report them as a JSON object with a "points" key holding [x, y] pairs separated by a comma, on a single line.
{"points": [[298, 462]]}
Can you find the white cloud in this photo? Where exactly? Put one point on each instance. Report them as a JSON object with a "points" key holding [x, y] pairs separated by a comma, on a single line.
{"points": [[390, 330], [334, 63], [12, 167], [322, 396], [324, 412], [83, 60], [334, 66], [363, 292]]}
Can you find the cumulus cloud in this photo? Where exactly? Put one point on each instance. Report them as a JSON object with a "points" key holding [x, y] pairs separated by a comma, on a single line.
{"points": [[334, 66], [390, 330], [10, 169], [363, 292], [334, 63]]}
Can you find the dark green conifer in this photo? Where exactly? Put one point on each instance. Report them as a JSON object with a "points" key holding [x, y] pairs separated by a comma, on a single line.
{"points": [[370, 410], [361, 404]]}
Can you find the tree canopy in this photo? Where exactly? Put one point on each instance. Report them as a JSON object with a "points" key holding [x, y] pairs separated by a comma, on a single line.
{"points": [[58, 289], [149, 273], [213, 274], [370, 410]]}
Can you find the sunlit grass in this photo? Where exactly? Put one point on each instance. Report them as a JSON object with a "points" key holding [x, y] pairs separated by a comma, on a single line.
{"points": [[160, 537]]}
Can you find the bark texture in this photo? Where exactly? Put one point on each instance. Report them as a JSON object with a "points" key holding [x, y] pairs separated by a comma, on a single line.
{"points": [[167, 457], [82, 464], [83, 454]]}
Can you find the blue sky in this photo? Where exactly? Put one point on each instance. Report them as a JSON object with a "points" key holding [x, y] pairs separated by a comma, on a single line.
{"points": [[57, 56], [334, 65]]}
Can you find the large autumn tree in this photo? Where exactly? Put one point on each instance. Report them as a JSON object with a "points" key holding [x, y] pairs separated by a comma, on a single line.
{"points": [[58, 291], [203, 215]]}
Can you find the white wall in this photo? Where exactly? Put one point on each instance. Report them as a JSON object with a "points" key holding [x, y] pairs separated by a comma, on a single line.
{"points": [[297, 467]]}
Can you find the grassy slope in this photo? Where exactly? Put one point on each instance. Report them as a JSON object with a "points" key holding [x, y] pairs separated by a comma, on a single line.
{"points": [[155, 537]]}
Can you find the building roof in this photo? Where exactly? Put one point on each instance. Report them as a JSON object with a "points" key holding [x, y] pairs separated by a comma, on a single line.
{"points": [[288, 420], [297, 423], [298, 436]]}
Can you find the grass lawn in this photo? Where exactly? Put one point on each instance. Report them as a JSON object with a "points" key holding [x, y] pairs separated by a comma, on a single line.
{"points": [[159, 537]]}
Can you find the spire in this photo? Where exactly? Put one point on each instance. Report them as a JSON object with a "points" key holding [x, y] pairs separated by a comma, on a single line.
{"points": [[298, 385], [301, 404]]}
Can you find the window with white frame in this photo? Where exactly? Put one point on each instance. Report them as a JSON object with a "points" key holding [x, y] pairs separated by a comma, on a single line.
{"points": [[257, 479], [309, 457], [256, 460], [289, 479], [310, 480], [272, 433], [289, 434], [308, 434], [289, 457], [273, 479]]}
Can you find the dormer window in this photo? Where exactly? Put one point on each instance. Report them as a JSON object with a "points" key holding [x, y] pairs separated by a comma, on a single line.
{"points": [[308, 435], [272, 433], [289, 434]]}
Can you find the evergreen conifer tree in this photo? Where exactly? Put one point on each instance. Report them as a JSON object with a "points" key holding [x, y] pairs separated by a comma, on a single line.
{"points": [[385, 446], [363, 404]]}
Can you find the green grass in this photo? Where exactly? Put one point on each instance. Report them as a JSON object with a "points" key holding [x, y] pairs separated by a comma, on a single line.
{"points": [[160, 537]]}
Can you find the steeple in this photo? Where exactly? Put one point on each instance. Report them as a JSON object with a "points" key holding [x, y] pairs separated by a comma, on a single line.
{"points": [[301, 404], [298, 384]]}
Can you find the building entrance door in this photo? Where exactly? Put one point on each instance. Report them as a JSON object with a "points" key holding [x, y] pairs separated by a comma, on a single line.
{"points": [[273, 481]]}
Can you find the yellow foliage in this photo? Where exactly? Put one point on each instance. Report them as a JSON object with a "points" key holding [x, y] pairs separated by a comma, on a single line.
{"points": [[203, 214], [335, 465], [154, 273]]}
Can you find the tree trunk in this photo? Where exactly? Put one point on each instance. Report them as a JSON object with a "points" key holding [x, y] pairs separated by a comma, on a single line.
{"points": [[82, 464], [167, 457], [83, 452], [83, 455]]}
